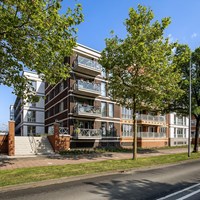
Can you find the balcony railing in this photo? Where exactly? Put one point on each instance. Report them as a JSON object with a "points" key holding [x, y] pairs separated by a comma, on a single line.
{"points": [[109, 133], [83, 133], [151, 135], [151, 118], [88, 110], [31, 120], [88, 86], [89, 63]]}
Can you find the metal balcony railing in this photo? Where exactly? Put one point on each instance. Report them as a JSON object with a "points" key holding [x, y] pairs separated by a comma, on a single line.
{"points": [[63, 130], [82, 133], [151, 118], [93, 87], [87, 109], [92, 64]]}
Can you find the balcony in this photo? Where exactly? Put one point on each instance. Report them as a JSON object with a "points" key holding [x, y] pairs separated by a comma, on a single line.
{"points": [[151, 135], [150, 119], [87, 66], [90, 111], [87, 88], [109, 134], [83, 133]]}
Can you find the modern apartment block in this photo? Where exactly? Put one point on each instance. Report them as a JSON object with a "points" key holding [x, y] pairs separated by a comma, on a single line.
{"points": [[82, 104], [178, 129], [29, 117]]}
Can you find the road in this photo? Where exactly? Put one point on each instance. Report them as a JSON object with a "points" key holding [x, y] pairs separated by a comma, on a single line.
{"points": [[180, 181]]}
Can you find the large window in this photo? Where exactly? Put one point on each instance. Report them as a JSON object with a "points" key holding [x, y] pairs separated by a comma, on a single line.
{"points": [[179, 133], [31, 116], [179, 120], [111, 110], [127, 130], [104, 128], [103, 109], [103, 89], [127, 113]]}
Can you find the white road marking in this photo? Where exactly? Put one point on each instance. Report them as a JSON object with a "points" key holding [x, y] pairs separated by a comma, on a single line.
{"points": [[189, 195], [180, 191]]}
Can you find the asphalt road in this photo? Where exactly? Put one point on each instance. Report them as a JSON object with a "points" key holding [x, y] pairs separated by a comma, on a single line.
{"points": [[180, 181]]}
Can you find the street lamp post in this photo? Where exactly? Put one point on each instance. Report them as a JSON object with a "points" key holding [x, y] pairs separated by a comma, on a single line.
{"points": [[190, 110]]}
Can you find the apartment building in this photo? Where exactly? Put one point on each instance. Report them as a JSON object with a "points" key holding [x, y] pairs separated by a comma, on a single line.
{"points": [[152, 129], [29, 117], [178, 129], [82, 104]]}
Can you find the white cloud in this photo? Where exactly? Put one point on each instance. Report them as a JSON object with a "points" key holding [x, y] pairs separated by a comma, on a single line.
{"points": [[194, 35]]}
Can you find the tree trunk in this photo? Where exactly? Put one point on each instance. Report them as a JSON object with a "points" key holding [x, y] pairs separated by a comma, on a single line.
{"points": [[196, 141], [134, 132]]}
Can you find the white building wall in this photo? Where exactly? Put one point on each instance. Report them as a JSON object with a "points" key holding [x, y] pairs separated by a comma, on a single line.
{"points": [[38, 108]]}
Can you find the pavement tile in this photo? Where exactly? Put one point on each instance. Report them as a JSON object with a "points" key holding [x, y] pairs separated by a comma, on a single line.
{"points": [[13, 163]]}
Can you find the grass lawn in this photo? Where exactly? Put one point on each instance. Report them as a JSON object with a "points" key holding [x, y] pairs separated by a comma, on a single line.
{"points": [[26, 175]]}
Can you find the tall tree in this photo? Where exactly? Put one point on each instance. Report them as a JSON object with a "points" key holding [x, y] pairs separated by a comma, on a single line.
{"points": [[143, 75], [184, 57], [34, 35]]}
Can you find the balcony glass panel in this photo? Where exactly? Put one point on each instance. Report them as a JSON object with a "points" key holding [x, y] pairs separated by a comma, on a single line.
{"points": [[89, 63], [80, 108], [151, 135], [151, 118], [89, 86]]}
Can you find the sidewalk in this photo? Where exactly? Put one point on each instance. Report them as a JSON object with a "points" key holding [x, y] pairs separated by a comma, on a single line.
{"points": [[36, 161]]}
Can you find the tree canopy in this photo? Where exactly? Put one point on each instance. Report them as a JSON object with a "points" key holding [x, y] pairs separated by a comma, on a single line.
{"points": [[182, 59], [143, 74], [36, 36]]}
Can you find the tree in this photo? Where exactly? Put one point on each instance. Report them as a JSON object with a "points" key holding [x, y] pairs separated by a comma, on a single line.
{"points": [[143, 75], [183, 56], [34, 35]]}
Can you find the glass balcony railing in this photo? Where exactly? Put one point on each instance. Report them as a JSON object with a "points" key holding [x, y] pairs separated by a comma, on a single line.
{"points": [[92, 64], [82, 133], [151, 118], [82, 109], [151, 135], [89, 86]]}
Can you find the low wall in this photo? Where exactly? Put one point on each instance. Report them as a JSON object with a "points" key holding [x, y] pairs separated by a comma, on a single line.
{"points": [[4, 143], [62, 144], [152, 142]]}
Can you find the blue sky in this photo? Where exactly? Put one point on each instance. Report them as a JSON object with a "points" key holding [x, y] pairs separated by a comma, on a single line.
{"points": [[102, 16]]}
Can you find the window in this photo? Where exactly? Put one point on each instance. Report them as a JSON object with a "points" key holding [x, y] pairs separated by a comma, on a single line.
{"points": [[127, 130], [34, 84], [31, 116], [180, 132], [61, 106], [103, 109], [111, 128], [32, 104], [103, 89], [31, 130], [127, 113], [61, 86], [103, 127], [111, 110]]}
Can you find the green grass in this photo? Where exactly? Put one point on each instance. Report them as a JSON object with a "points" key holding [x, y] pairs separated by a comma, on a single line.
{"points": [[27, 175]]}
